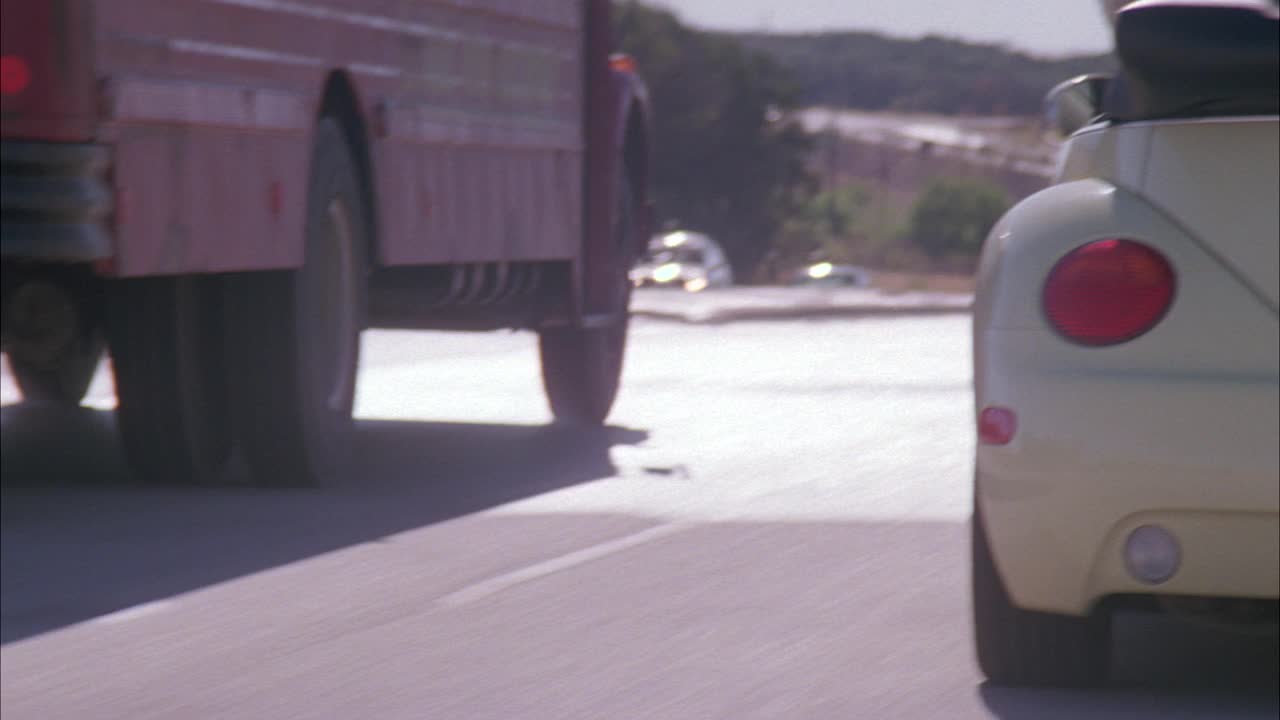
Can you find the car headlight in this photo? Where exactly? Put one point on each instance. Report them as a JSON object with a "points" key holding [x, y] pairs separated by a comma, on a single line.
{"points": [[666, 273], [820, 270]]}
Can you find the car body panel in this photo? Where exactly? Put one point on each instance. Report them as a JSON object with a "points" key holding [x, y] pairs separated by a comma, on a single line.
{"points": [[1111, 153], [1222, 179], [1096, 449], [1218, 177], [1177, 427]]}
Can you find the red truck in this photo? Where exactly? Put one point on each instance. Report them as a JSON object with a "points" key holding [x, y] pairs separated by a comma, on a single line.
{"points": [[224, 193]]}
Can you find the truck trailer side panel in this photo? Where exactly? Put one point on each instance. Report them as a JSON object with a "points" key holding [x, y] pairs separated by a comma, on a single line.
{"points": [[473, 118]]}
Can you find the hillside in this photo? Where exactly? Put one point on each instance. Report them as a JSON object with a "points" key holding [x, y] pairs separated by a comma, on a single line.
{"points": [[867, 71]]}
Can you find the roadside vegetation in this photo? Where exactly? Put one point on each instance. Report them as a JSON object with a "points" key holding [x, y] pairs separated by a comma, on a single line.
{"points": [[727, 160], [730, 161], [867, 71]]}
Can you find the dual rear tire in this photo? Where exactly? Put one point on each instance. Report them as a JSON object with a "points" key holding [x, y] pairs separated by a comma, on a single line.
{"points": [[294, 336], [171, 387], [264, 361]]}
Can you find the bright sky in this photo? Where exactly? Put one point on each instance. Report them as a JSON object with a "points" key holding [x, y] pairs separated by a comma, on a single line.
{"points": [[1041, 27]]}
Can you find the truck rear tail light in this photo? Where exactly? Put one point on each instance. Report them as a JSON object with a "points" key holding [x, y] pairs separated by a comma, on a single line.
{"points": [[1108, 292], [15, 74], [622, 62], [47, 89]]}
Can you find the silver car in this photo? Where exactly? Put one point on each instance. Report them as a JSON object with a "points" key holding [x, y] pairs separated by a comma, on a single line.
{"points": [[687, 260]]}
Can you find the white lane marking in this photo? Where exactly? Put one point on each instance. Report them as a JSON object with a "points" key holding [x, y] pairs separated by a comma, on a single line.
{"points": [[133, 613], [498, 583]]}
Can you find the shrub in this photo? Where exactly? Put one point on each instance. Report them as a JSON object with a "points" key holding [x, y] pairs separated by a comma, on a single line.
{"points": [[952, 216]]}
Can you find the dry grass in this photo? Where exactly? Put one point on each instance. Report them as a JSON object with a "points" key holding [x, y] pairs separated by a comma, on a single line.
{"points": [[898, 282]]}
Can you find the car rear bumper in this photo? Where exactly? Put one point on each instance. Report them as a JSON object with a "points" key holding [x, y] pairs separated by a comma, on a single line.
{"points": [[677, 284], [1098, 454], [54, 202]]}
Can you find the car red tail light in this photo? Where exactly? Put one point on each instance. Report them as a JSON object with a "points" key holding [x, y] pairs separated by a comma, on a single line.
{"points": [[1108, 292]]}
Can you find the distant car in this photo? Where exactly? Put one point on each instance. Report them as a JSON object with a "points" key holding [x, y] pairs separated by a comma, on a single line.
{"points": [[825, 274], [681, 259], [1125, 342]]}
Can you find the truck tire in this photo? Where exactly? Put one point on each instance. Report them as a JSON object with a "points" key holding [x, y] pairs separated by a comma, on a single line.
{"points": [[294, 336], [582, 366], [56, 339], [165, 342], [63, 382], [1027, 648]]}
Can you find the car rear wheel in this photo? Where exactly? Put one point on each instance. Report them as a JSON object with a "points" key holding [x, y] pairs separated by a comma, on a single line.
{"points": [[1028, 648]]}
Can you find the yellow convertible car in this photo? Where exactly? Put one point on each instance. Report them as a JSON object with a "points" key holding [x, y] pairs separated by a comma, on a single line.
{"points": [[1126, 348]]}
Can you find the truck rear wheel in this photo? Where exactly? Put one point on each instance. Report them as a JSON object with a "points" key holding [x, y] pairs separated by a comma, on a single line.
{"points": [[581, 371], [63, 382], [53, 331], [1024, 647], [294, 336], [164, 338], [582, 366]]}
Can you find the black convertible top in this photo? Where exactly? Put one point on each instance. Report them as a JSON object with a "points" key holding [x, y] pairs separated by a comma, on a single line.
{"points": [[1183, 59]]}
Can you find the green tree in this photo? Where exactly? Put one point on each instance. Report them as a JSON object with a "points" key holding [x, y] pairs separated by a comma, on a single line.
{"points": [[726, 160], [831, 224], [952, 216], [869, 71]]}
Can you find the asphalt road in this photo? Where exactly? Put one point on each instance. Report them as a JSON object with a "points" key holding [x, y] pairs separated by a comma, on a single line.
{"points": [[772, 527]]}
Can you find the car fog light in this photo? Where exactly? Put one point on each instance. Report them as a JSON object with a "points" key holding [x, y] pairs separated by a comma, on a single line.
{"points": [[1151, 554], [666, 273]]}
